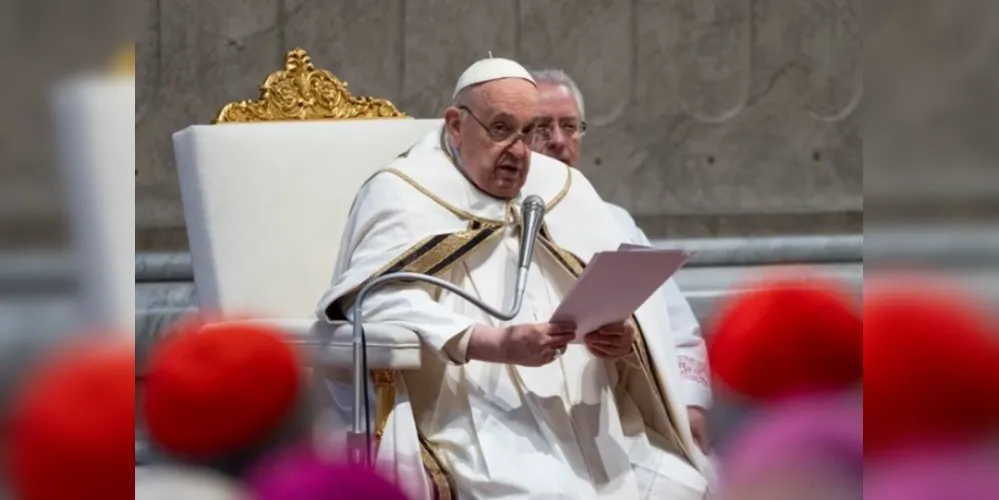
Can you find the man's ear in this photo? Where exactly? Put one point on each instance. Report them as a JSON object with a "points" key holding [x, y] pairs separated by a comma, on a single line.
{"points": [[452, 123]]}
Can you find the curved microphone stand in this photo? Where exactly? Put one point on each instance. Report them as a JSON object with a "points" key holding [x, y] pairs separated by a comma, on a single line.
{"points": [[359, 439]]}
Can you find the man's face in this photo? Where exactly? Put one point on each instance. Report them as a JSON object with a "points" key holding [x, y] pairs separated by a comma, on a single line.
{"points": [[489, 134], [559, 113]]}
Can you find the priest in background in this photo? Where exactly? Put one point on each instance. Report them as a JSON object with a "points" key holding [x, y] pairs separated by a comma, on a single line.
{"points": [[562, 114], [511, 409]]}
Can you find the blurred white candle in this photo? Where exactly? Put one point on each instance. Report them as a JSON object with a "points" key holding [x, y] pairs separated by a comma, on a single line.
{"points": [[95, 134]]}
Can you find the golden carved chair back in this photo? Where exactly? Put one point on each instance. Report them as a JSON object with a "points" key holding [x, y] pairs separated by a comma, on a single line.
{"points": [[302, 92], [308, 147]]}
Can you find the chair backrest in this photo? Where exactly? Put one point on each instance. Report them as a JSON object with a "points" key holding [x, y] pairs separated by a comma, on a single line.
{"points": [[95, 133], [266, 198]]}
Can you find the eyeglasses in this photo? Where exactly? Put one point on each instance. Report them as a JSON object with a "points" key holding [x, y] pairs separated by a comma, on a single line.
{"points": [[569, 128], [502, 132]]}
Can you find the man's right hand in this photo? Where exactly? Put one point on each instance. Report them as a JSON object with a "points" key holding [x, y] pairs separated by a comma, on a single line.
{"points": [[534, 344]]}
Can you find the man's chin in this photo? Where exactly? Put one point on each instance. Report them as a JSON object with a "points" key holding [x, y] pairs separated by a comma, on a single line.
{"points": [[507, 190]]}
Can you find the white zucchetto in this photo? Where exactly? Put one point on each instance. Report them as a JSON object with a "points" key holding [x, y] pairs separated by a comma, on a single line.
{"points": [[487, 70]]}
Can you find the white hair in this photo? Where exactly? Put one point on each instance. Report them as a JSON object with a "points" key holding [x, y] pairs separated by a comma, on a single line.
{"points": [[558, 77], [463, 97]]}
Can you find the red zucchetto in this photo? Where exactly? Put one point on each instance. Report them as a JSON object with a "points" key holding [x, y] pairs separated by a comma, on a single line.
{"points": [[931, 367], [216, 391], [787, 337], [72, 427]]}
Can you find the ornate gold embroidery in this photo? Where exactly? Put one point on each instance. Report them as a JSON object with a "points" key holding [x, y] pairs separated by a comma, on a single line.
{"points": [[302, 92], [564, 257], [443, 484], [433, 255], [384, 381], [649, 369], [561, 194], [463, 214], [466, 215], [548, 205]]}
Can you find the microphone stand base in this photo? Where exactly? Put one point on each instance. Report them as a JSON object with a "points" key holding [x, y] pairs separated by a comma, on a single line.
{"points": [[358, 452]]}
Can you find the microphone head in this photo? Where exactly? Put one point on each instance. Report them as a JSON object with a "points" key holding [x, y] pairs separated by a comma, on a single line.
{"points": [[532, 204], [532, 210]]}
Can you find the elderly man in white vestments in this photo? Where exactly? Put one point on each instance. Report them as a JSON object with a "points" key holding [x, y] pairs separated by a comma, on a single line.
{"points": [[562, 118], [512, 409]]}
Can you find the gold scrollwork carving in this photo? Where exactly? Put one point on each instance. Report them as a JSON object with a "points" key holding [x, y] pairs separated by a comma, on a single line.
{"points": [[302, 92], [385, 398]]}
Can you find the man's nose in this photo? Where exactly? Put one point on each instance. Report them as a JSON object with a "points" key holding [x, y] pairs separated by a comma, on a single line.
{"points": [[519, 148], [557, 139]]}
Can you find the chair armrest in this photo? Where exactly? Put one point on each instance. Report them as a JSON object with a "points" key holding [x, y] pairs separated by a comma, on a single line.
{"points": [[331, 344]]}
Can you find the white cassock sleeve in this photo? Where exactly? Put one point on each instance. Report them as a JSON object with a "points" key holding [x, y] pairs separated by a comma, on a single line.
{"points": [[691, 352], [411, 306], [385, 221]]}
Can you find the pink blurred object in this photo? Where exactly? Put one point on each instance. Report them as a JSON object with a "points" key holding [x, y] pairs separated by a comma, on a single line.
{"points": [[301, 473], [806, 433], [935, 475]]}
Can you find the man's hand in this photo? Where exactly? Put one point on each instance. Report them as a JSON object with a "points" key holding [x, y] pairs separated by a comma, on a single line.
{"points": [[535, 344], [698, 418], [528, 345], [611, 341]]}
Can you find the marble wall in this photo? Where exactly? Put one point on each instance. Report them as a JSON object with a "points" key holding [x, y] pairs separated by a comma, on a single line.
{"points": [[709, 117]]}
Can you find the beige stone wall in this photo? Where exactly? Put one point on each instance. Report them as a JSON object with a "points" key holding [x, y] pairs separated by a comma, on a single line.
{"points": [[708, 116], [932, 116]]}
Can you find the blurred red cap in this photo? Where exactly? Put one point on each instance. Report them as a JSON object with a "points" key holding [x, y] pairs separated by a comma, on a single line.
{"points": [[211, 392], [785, 337], [931, 364], [72, 429]]}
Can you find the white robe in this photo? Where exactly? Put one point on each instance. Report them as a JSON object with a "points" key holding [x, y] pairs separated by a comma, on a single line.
{"points": [[578, 428]]}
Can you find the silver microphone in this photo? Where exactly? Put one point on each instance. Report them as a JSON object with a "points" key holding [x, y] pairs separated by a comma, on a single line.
{"points": [[532, 210]]}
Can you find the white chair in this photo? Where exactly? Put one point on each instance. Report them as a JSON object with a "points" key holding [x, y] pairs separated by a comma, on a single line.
{"points": [[266, 200], [95, 133]]}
